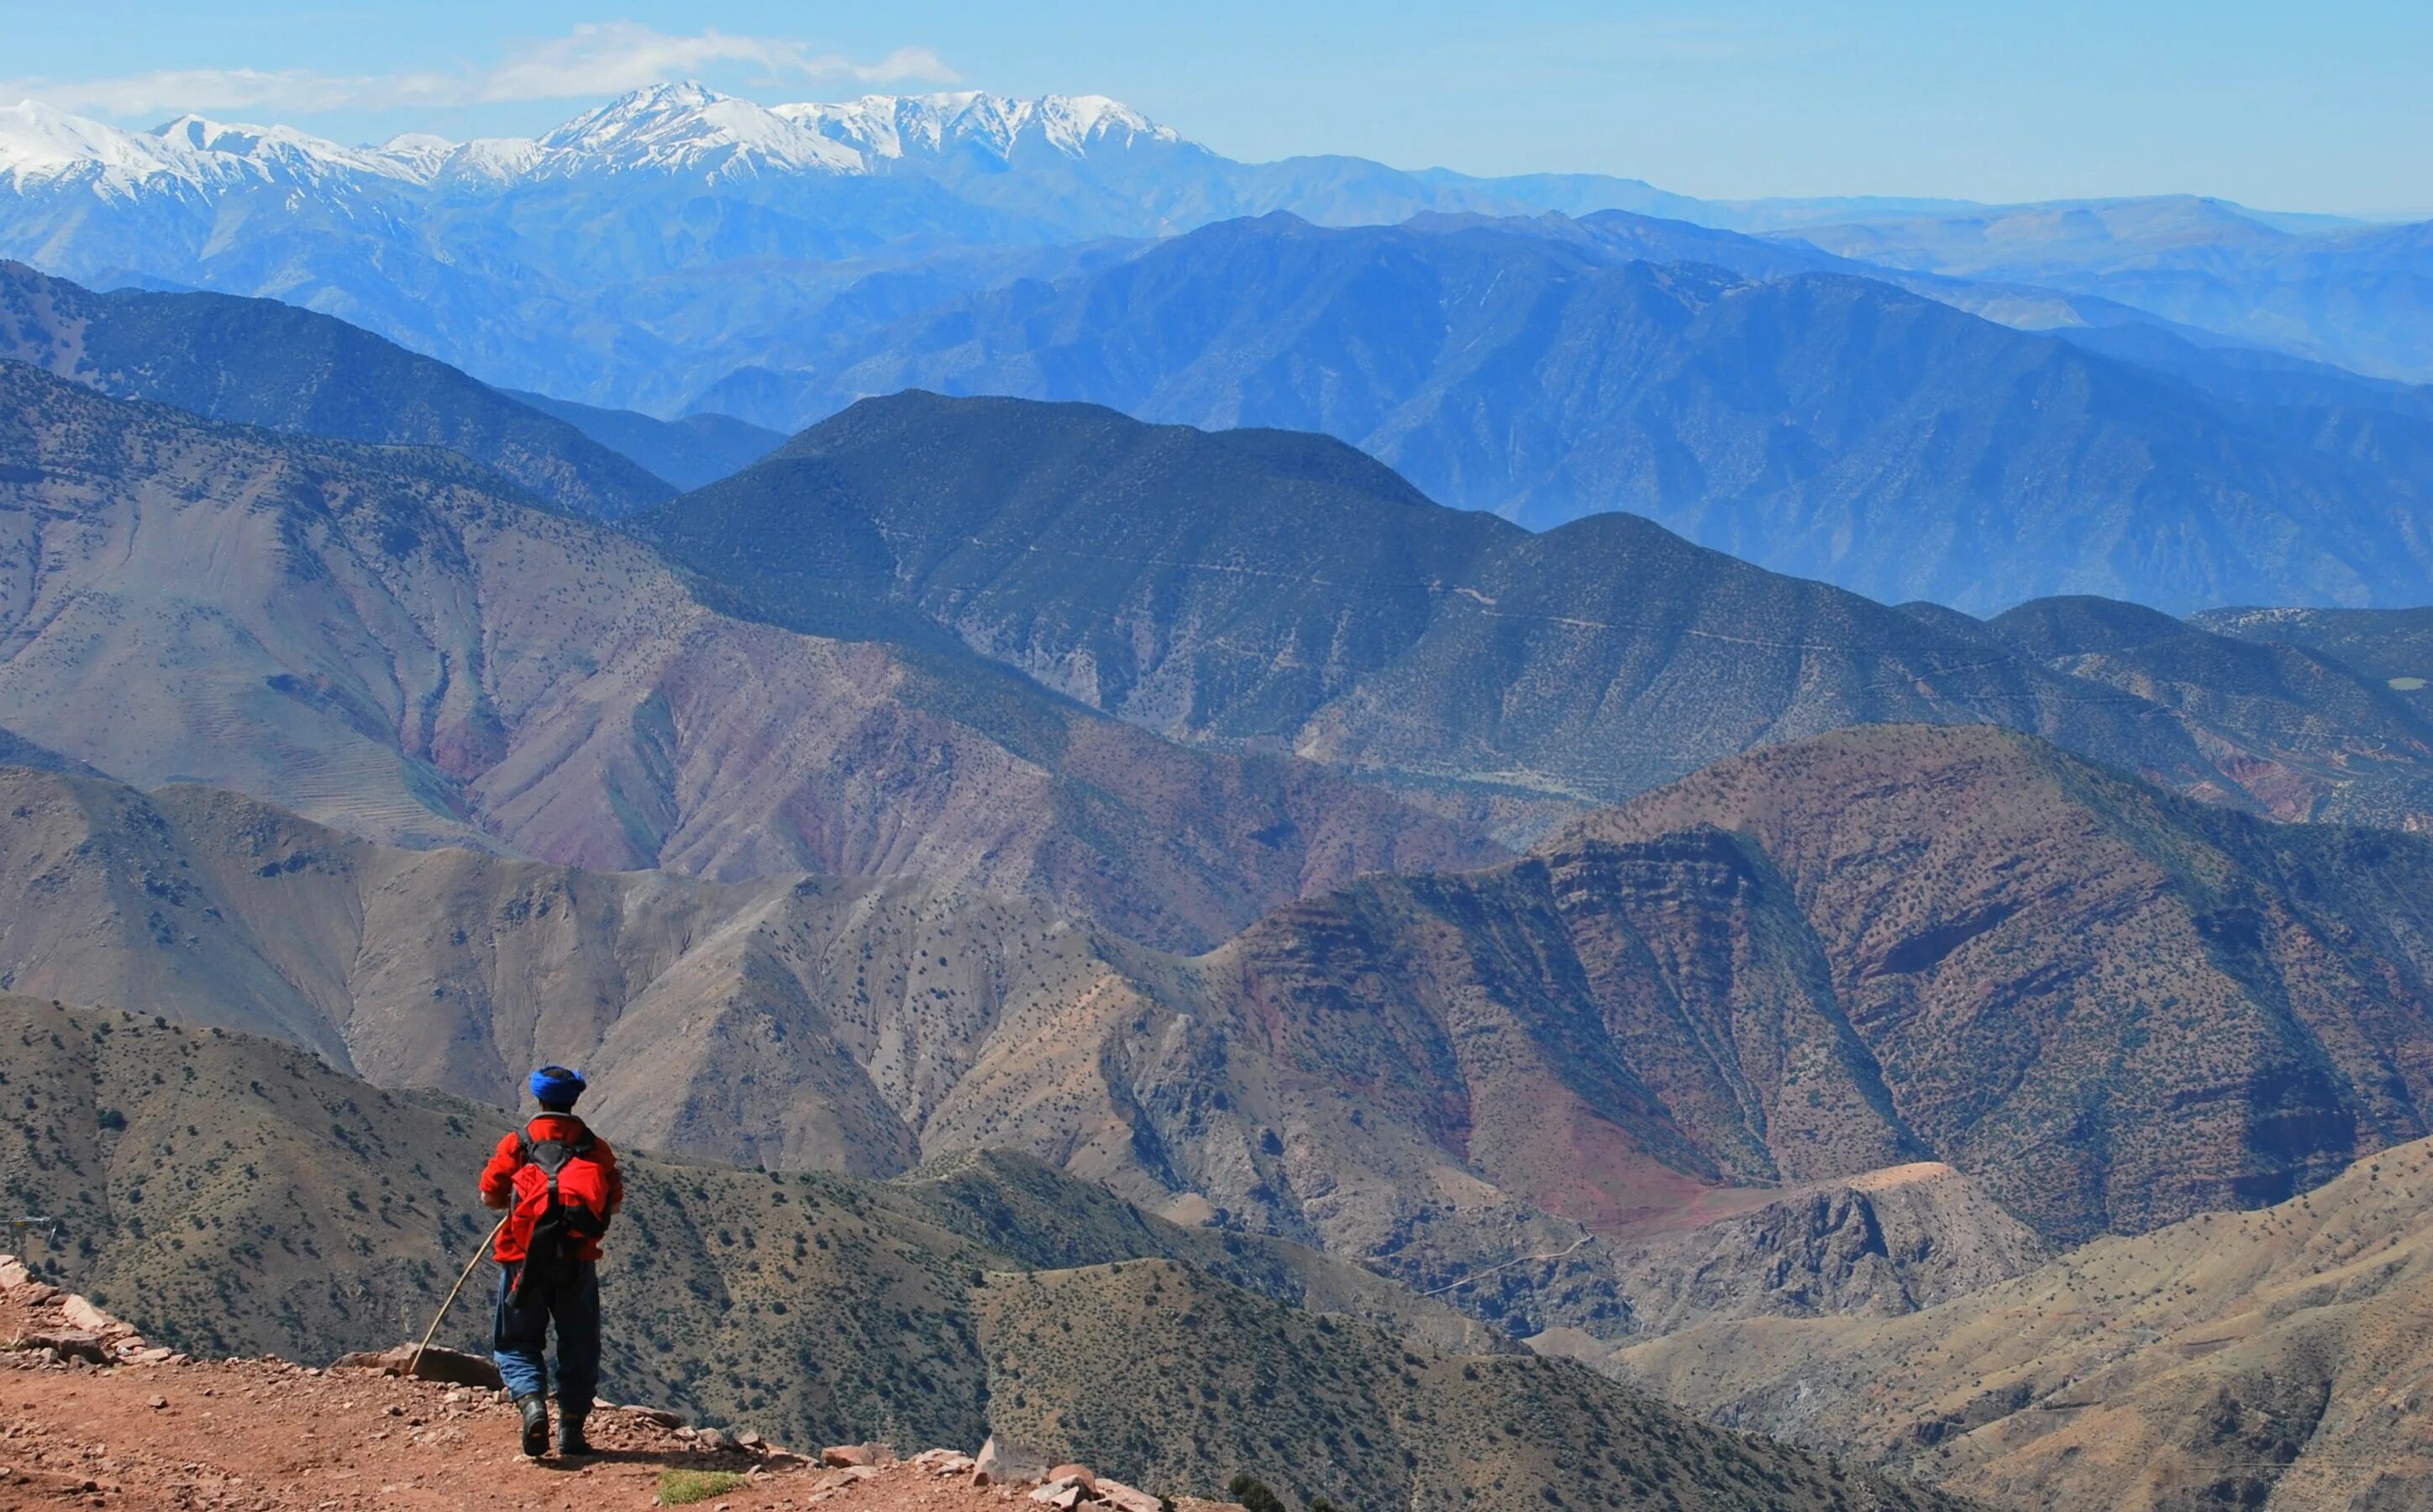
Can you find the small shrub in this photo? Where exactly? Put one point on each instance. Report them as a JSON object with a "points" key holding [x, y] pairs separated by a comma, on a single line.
{"points": [[684, 1487], [1253, 1494]]}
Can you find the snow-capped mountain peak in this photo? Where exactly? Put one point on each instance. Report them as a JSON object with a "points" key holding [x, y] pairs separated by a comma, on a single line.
{"points": [[1075, 121], [688, 128], [204, 134]]}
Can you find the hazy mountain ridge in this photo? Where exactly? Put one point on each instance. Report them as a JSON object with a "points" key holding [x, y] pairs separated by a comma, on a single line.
{"points": [[1266, 590], [445, 247], [1814, 423], [688, 453], [2307, 736], [2393, 647], [257, 362], [2346, 294]]}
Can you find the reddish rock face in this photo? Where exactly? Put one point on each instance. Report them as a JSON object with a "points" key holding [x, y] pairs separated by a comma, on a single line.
{"points": [[1882, 946]]}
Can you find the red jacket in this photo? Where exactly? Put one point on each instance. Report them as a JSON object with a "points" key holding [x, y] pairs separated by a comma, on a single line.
{"points": [[499, 1177]]}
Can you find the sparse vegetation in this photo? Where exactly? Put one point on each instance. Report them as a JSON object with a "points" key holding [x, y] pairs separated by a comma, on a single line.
{"points": [[1137, 1359], [683, 1488]]}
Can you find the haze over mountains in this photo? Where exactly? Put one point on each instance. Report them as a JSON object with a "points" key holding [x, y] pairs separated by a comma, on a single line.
{"points": [[1818, 424], [773, 263], [257, 362]]}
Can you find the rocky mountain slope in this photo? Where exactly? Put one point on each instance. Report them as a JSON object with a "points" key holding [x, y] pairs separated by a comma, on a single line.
{"points": [[1153, 1370], [258, 361], [2154, 1007], [860, 1026], [382, 641], [1260, 589], [2307, 736], [2111, 1007], [816, 1309], [1570, 1093], [2277, 1358], [2393, 647], [1821, 424]]}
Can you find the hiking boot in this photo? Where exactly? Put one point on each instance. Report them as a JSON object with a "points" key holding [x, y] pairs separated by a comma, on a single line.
{"points": [[535, 1411], [571, 1442]]}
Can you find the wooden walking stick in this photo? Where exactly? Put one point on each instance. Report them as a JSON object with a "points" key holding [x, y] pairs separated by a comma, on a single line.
{"points": [[479, 1250]]}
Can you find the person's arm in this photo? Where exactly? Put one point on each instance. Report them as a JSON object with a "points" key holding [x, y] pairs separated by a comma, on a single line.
{"points": [[499, 1177]]}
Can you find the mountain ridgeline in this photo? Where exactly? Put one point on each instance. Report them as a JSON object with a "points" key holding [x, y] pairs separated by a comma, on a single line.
{"points": [[417, 654], [257, 362], [1820, 423], [2244, 1360], [1272, 590]]}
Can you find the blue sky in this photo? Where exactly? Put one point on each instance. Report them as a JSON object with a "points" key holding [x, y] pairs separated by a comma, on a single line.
{"points": [[2315, 107]]}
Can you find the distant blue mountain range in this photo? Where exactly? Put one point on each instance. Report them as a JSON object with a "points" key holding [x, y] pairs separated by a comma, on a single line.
{"points": [[2177, 400]]}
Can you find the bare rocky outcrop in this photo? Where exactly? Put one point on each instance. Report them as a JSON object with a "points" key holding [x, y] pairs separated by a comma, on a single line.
{"points": [[61, 1328], [1879, 1243]]}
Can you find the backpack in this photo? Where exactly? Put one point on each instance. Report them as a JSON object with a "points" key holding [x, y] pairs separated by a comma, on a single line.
{"points": [[561, 1202]]}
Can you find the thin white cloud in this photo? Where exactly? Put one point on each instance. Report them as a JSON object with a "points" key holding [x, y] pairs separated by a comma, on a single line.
{"points": [[606, 58], [194, 89], [619, 55]]}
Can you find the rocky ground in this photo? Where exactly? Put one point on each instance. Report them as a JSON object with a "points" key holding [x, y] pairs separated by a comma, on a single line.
{"points": [[91, 1415]]}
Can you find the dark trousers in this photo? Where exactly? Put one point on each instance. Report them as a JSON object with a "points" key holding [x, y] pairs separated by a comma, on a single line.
{"points": [[520, 1340]]}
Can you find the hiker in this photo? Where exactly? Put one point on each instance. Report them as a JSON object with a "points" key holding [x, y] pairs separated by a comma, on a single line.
{"points": [[561, 1181]]}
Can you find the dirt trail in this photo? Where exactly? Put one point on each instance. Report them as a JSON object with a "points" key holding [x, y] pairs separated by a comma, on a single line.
{"points": [[256, 1435]]}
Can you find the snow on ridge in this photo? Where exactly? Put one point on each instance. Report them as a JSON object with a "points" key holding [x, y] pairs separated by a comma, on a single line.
{"points": [[299, 154], [43, 144], [39, 142], [670, 127], [897, 126], [685, 127], [488, 160]]}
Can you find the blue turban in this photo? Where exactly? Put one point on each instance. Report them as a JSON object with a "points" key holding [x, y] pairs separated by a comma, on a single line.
{"points": [[554, 1086]]}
